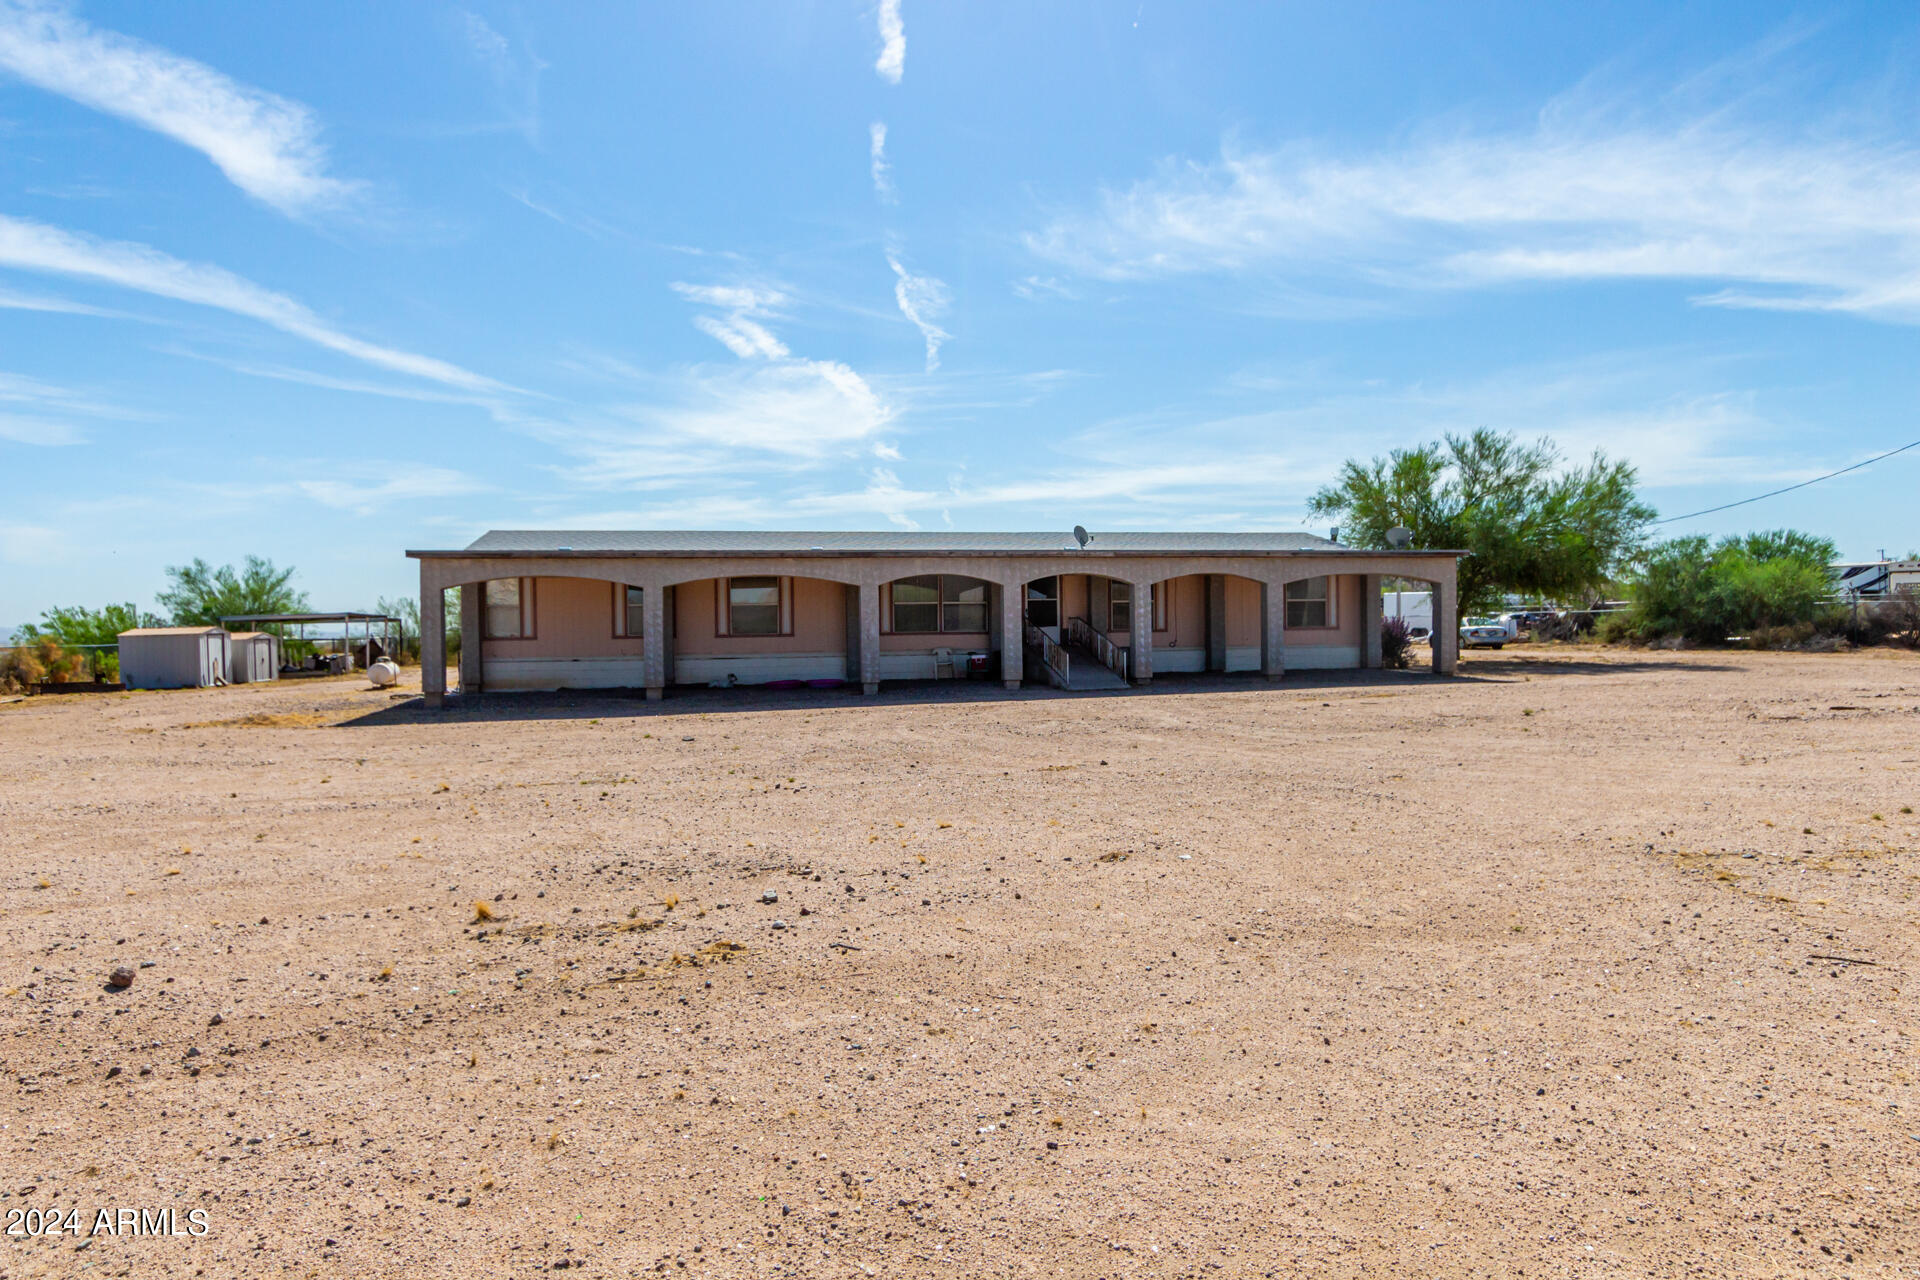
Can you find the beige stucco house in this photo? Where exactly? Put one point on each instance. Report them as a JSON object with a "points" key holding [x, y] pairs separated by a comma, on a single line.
{"points": [[646, 609]]}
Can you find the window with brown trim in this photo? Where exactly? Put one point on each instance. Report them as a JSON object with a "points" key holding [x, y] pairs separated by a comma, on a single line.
{"points": [[1119, 605], [1310, 603], [936, 602], [1160, 604], [753, 606], [963, 603], [629, 617], [916, 604], [509, 609]]}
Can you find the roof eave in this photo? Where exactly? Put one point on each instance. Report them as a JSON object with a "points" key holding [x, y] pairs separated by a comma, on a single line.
{"points": [[812, 554]]}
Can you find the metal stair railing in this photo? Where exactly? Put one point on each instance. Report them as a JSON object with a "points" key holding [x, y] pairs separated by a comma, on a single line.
{"points": [[1081, 632], [1052, 656]]}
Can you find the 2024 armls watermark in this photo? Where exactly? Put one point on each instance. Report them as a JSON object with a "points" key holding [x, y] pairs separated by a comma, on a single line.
{"points": [[79, 1222]]}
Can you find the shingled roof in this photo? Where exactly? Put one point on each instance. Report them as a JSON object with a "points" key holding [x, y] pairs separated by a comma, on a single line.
{"points": [[892, 542]]}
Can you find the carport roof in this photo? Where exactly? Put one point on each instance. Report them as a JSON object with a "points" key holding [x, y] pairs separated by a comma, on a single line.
{"points": [[750, 542]]}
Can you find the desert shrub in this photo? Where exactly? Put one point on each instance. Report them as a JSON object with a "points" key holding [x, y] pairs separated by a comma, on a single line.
{"points": [[41, 660], [1396, 643], [1797, 635], [1705, 592], [1894, 620], [1901, 613], [79, 625], [60, 664], [1616, 628]]}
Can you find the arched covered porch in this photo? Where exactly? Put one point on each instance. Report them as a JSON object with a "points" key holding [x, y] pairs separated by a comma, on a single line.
{"points": [[861, 608], [1440, 620], [549, 631]]}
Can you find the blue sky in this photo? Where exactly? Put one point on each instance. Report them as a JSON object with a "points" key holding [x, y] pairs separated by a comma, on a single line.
{"points": [[325, 283]]}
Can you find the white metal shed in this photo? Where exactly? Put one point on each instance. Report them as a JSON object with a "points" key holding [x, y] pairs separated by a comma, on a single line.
{"points": [[174, 657], [256, 656]]}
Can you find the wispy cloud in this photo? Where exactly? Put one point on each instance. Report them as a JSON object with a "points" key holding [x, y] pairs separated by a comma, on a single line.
{"points": [[795, 408], [752, 299], [33, 246], [11, 301], [37, 431], [719, 424], [1681, 417], [27, 543], [585, 223], [740, 330], [267, 146], [378, 487], [327, 382], [892, 61], [1804, 216], [1174, 468], [922, 300], [745, 338], [877, 152], [41, 413], [1042, 287], [515, 73], [19, 389]]}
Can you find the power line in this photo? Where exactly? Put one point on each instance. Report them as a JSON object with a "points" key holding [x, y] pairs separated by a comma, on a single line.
{"points": [[1790, 488]]}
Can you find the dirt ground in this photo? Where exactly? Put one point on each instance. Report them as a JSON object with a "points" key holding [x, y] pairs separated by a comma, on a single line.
{"points": [[1586, 963]]}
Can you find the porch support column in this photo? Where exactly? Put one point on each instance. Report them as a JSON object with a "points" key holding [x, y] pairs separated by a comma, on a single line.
{"points": [[1273, 630], [433, 640], [654, 641], [1140, 638], [1013, 634], [473, 629], [850, 599], [1370, 655], [869, 638], [1446, 626]]}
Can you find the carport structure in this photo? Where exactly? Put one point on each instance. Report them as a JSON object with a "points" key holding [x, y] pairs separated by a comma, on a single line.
{"points": [[380, 634], [547, 609]]}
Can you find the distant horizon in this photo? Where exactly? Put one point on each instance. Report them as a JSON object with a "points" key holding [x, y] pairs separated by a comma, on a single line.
{"points": [[325, 285]]}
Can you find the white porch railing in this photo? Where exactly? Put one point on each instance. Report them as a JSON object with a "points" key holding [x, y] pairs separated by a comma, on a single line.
{"points": [[1052, 656], [1080, 632]]}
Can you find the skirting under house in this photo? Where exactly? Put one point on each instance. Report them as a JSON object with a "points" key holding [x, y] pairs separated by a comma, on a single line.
{"points": [[649, 609]]}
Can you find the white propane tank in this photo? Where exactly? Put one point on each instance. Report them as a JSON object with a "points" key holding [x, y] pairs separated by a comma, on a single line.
{"points": [[383, 673]]}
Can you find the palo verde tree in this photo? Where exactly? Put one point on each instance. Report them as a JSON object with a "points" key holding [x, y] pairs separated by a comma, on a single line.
{"points": [[1532, 526], [79, 625], [1706, 591], [201, 595]]}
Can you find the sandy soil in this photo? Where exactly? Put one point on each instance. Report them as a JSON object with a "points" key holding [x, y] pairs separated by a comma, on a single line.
{"points": [[1536, 971]]}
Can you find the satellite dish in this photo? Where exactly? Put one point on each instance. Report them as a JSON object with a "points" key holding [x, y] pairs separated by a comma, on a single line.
{"points": [[1398, 538], [1081, 536]]}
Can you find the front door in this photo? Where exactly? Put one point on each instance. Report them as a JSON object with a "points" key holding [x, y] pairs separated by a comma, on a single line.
{"points": [[1043, 606]]}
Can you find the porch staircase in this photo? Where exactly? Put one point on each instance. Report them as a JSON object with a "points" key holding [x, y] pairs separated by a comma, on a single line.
{"points": [[1073, 665], [1088, 672]]}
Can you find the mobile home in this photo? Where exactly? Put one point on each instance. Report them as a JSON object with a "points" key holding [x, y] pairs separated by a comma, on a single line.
{"points": [[647, 609]]}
